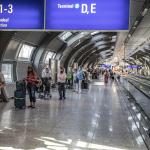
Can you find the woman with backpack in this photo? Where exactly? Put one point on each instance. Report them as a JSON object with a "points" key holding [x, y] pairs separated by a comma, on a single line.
{"points": [[75, 81], [80, 78]]}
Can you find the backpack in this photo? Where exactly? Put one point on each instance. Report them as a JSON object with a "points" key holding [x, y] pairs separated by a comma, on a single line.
{"points": [[80, 75], [69, 76]]}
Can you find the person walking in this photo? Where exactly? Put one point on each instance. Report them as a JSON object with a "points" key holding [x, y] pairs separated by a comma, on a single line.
{"points": [[46, 78], [69, 79], [106, 76], [80, 78], [61, 84], [31, 86], [75, 81]]}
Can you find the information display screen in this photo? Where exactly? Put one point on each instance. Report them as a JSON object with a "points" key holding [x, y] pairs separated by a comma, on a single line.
{"points": [[64, 14], [87, 14], [105, 66], [21, 14], [134, 67]]}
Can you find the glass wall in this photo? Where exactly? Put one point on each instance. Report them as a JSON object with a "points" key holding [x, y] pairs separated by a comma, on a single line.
{"points": [[7, 70], [25, 52], [49, 55]]}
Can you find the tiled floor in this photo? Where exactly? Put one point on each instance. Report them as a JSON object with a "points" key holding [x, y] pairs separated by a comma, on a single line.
{"points": [[93, 120]]}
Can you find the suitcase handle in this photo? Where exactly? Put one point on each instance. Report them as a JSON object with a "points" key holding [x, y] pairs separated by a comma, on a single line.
{"points": [[19, 98]]}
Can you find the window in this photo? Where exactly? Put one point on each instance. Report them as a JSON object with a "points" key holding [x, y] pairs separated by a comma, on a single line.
{"points": [[65, 35], [95, 32], [25, 52], [7, 70], [49, 55], [84, 33], [54, 55]]}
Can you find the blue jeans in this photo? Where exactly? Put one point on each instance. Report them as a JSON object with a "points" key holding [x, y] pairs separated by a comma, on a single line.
{"points": [[61, 89], [31, 91]]}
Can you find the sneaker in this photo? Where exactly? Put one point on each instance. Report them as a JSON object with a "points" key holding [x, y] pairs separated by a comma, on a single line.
{"points": [[29, 106]]}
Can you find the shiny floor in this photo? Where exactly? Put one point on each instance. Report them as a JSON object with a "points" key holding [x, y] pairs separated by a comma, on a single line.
{"points": [[140, 97], [93, 120]]}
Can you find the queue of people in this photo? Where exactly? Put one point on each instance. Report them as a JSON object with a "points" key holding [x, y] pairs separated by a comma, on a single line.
{"points": [[109, 74], [77, 78]]}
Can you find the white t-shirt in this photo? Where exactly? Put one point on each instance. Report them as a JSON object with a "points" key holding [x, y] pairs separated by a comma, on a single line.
{"points": [[61, 77], [46, 74]]}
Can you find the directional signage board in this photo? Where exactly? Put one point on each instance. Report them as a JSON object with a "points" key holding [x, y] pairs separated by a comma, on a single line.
{"points": [[87, 14], [64, 14], [21, 14]]}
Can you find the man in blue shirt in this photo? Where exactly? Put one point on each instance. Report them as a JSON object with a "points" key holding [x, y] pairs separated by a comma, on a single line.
{"points": [[80, 76]]}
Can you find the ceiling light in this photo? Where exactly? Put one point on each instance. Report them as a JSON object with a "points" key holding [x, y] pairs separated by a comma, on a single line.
{"points": [[113, 40], [144, 12], [96, 32], [114, 37], [112, 47], [129, 35], [136, 22]]}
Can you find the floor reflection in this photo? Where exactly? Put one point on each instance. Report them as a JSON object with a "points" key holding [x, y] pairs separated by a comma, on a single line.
{"points": [[54, 144], [92, 120]]}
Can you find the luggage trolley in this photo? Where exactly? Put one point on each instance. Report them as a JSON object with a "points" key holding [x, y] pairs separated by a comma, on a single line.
{"points": [[47, 88]]}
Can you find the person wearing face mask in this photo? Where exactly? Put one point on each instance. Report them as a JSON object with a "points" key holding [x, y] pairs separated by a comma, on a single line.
{"points": [[61, 84], [31, 85], [46, 77]]}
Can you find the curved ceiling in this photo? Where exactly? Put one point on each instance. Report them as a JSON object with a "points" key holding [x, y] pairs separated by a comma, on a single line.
{"points": [[69, 46]]}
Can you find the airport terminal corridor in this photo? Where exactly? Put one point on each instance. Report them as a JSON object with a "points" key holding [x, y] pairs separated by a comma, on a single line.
{"points": [[75, 75], [96, 119]]}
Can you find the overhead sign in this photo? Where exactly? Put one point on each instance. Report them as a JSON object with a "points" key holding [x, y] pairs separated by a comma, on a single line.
{"points": [[134, 67], [22, 14], [64, 14], [105, 66], [87, 14]]}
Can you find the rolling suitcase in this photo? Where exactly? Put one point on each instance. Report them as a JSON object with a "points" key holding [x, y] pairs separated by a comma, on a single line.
{"points": [[85, 85], [106, 80], [21, 86], [20, 95], [19, 99], [112, 77]]}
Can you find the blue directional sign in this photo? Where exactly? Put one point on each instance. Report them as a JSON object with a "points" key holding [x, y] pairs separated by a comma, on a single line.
{"points": [[21, 14], [87, 14], [64, 14]]}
